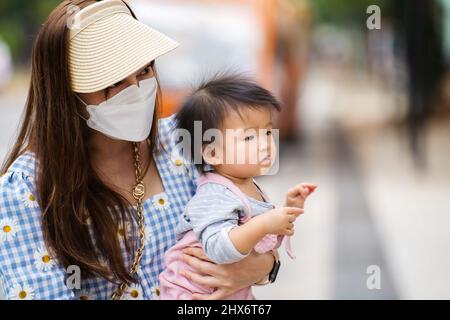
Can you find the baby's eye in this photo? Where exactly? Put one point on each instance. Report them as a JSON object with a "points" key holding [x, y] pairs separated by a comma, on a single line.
{"points": [[249, 138], [269, 133]]}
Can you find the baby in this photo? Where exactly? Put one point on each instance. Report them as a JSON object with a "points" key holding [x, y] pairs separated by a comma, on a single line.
{"points": [[230, 215]]}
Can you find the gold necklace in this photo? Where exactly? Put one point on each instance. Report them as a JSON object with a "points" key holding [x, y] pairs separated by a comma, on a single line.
{"points": [[138, 195]]}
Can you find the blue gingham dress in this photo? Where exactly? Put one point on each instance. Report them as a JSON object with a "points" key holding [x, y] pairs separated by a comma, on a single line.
{"points": [[29, 271]]}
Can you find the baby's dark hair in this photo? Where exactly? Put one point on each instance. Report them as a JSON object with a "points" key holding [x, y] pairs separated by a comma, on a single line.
{"points": [[212, 101]]}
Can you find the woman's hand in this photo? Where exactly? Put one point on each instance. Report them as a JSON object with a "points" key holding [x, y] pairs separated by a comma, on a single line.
{"points": [[226, 278]]}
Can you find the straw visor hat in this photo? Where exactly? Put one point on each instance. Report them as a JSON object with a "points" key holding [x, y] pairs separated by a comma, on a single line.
{"points": [[106, 45]]}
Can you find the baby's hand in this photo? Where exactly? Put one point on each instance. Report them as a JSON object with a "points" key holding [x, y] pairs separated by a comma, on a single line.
{"points": [[280, 220], [297, 195]]}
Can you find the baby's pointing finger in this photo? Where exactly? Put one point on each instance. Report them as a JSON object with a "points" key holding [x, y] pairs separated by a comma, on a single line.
{"points": [[310, 186], [304, 191]]}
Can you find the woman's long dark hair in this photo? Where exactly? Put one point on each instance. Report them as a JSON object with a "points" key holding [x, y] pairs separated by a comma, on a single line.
{"points": [[68, 188]]}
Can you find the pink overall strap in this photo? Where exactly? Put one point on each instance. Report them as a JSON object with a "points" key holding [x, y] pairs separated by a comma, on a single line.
{"points": [[263, 194], [217, 178]]}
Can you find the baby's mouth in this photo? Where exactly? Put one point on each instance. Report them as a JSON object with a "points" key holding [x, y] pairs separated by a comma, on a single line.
{"points": [[265, 161]]}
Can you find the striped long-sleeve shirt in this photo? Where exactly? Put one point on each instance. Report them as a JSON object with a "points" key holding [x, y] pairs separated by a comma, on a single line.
{"points": [[211, 214]]}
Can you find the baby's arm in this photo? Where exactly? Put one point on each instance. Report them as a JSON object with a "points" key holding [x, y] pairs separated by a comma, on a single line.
{"points": [[277, 221], [212, 214]]}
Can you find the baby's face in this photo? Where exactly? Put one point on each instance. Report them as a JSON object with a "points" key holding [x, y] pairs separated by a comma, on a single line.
{"points": [[248, 148]]}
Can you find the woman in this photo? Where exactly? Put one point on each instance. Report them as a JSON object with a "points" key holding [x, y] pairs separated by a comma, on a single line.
{"points": [[91, 184]]}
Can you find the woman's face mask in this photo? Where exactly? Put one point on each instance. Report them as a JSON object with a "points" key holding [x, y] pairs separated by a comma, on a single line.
{"points": [[128, 115]]}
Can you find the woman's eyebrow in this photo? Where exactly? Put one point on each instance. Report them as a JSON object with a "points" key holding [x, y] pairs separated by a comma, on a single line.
{"points": [[142, 69]]}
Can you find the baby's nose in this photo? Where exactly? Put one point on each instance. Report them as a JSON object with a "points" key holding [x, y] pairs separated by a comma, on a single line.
{"points": [[264, 142]]}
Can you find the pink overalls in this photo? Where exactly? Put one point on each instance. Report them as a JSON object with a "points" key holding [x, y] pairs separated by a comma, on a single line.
{"points": [[173, 286]]}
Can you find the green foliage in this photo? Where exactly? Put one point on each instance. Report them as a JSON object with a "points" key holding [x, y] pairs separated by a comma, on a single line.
{"points": [[19, 22], [345, 12]]}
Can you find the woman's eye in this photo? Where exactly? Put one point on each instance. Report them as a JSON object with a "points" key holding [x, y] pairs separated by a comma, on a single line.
{"points": [[146, 71], [269, 133], [249, 138], [115, 85]]}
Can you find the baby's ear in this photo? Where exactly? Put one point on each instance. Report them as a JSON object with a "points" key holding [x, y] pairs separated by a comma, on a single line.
{"points": [[211, 154]]}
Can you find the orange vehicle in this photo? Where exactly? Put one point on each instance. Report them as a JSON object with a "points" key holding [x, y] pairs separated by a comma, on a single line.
{"points": [[263, 38]]}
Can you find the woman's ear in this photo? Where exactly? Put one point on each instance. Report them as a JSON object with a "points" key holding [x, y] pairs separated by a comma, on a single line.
{"points": [[211, 154]]}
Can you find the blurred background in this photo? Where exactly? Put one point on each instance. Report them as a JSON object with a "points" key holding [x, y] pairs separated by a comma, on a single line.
{"points": [[366, 116]]}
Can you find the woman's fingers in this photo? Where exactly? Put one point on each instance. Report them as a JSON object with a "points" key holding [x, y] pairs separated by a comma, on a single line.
{"points": [[206, 281], [200, 265], [197, 252], [219, 294]]}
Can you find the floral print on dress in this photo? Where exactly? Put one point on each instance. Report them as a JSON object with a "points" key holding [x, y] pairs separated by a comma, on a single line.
{"points": [[43, 259], [177, 164], [85, 295], [161, 201], [30, 201], [21, 292], [8, 229], [155, 291], [133, 292], [18, 248]]}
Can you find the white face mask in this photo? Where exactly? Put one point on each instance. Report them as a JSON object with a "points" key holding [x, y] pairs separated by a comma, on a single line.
{"points": [[128, 115]]}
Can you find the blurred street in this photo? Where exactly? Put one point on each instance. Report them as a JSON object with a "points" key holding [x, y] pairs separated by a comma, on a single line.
{"points": [[10, 112], [372, 207]]}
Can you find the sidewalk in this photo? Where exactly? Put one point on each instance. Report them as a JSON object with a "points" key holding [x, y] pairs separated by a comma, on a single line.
{"points": [[411, 208]]}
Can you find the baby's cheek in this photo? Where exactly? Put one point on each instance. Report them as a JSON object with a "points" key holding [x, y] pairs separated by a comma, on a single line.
{"points": [[241, 154], [240, 170], [252, 154]]}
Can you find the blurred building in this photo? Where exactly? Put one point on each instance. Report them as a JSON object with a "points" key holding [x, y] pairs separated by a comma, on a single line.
{"points": [[265, 39], [6, 67]]}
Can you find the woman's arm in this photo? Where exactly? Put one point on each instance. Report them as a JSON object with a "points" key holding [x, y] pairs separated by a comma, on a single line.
{"points": [[227, 278]]}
